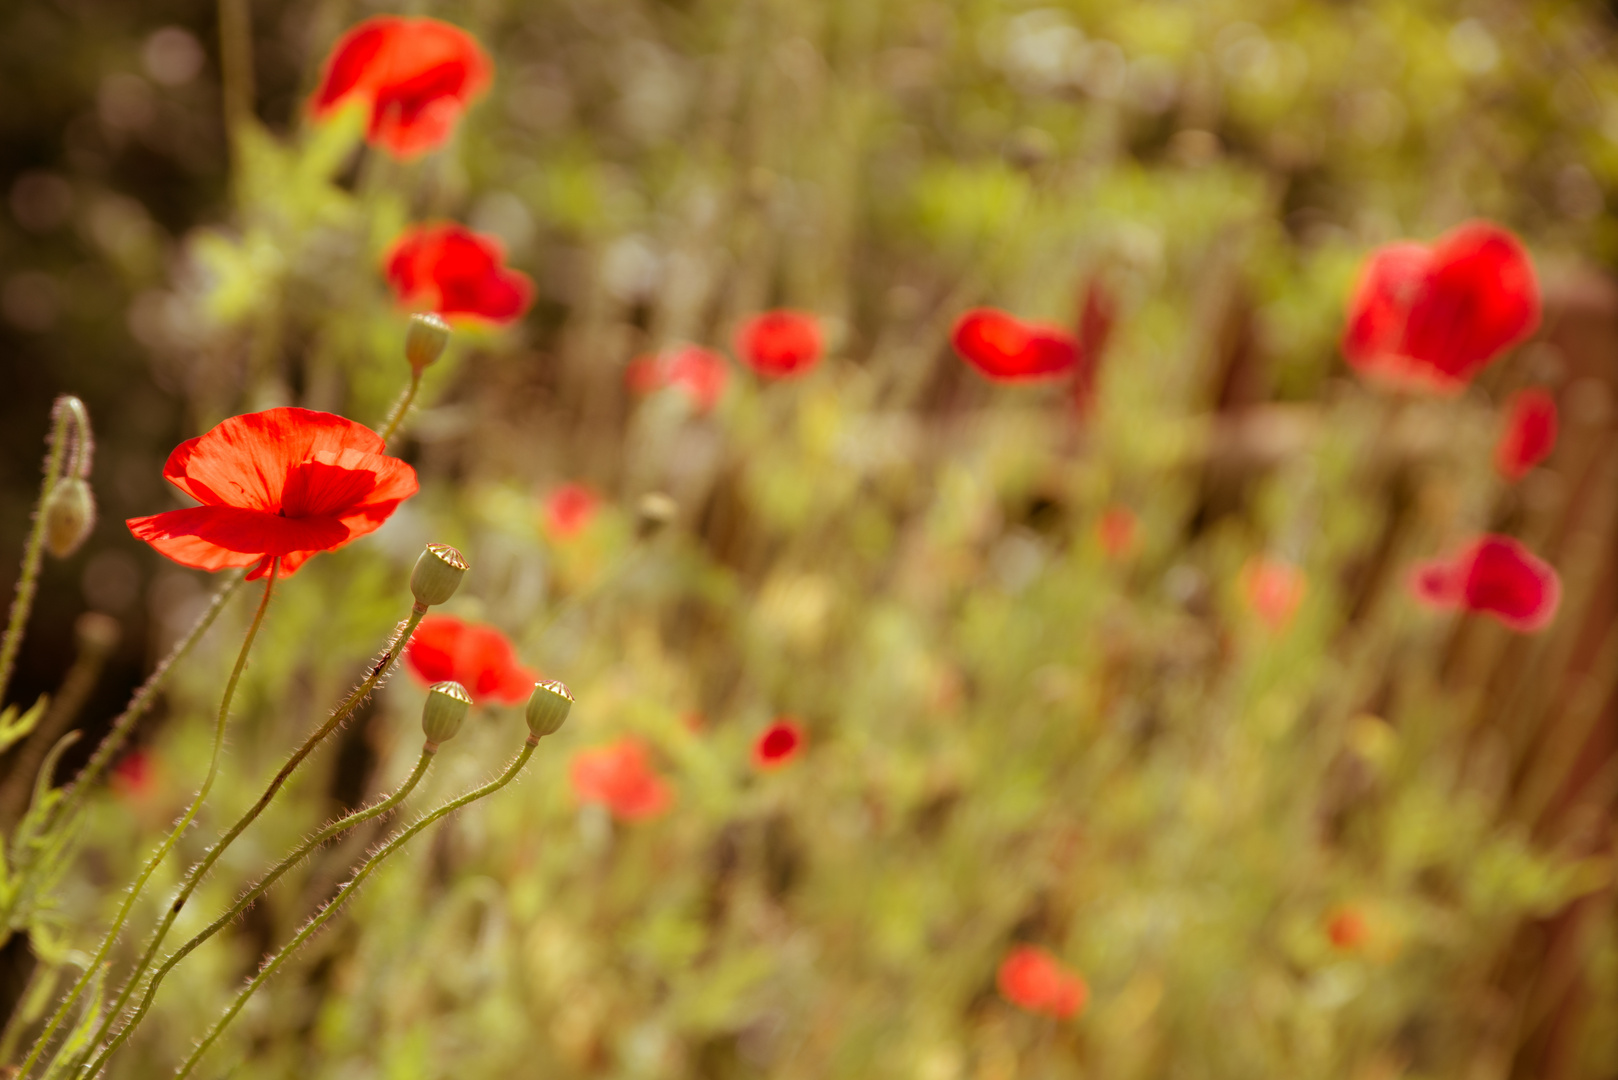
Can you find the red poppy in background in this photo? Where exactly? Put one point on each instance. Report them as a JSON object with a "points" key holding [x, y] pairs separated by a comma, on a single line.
{"points": [[1273, 590], [1035, 980], [1494, 575], [700, 373], [1347, 929], [1530, 433], [1006, 349], [283, 484], [417, 76], [450, 270], [778, 744], [480, 658], [781, 343], [570, 509], [134, 774], [620, 777], [1432, 317], [1118, 530]]}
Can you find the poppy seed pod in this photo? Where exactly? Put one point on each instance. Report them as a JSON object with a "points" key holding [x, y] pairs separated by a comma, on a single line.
{"points": [[548, 707], [441, 716], [70, 514], [437, 574], [425, 341]]}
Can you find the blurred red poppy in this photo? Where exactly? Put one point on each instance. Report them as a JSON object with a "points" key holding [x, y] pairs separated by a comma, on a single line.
{"points": [[1530, 433], [778, 744], [700, 373], [1347, 929], [450, 270], [417, 76], [286, 484], [570, 509], [1035, 980], [1431, 318], [1273, 590], [781, 343], [134, 774], [1117, 529], [1494, 575], [620, 777], [1006, 349], [480, 658]]}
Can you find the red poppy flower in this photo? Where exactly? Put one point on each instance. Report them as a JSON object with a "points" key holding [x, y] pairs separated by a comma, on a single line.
{"points": [[1273, 590], [1035, 980], [1347, 929], [620, 777], [1494, 575], [570, 509], [480, 658], [1117, 530], [415, 75], [450, 270], [1433, 317], [1530, 433], [779, 744], [1006, 349], [286, 484], [700, 373], [133, 776], [780, 344]]}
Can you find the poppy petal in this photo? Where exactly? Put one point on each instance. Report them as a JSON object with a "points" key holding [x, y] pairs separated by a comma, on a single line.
{"points": [[214, 537], [1006, 349], [780, 344], [1530, 435], [245, 460]]}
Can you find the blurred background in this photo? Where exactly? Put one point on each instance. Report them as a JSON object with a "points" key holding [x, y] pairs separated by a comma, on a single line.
{"points": [[1039, 707]]}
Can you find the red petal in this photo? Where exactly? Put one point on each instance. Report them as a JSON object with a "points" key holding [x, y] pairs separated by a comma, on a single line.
{"points": [[1388, 284], [1505, 579], [1530, 434], [454, 271], [353, 64], [245, 461], [780, 344], [214, 537], [1480, 298], [779, 744], [1006, 349]]}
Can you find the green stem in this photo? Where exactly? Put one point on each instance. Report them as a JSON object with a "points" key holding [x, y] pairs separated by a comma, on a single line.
{"points": [[32, 554], [200, 870], [173, 837], [344, 893], [248, 898], [397, 414]]}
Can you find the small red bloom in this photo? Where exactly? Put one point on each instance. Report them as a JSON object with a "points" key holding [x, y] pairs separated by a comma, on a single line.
{"points": [[780, 344], [1035, 980], [1494, 575], [1273, 590], [1530, 433], [1431, 318], [1117, 530], [620, 776], [779, 744], [133, 775], [1347, 929], [570, 509], [450, 270], [700, 373], [286, 484], [415, 75], [1006, 349], [478, 657]]}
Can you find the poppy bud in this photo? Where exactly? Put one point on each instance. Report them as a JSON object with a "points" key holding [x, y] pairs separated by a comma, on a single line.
{"points": [[437, 574], [548, 707], [446, 707], [425, 341], [70, 513]]}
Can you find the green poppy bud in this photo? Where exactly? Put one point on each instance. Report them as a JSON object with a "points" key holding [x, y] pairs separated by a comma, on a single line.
{"points": [[437, 574], [446, 707], [425, 341], [70, 514], [548, 707]]}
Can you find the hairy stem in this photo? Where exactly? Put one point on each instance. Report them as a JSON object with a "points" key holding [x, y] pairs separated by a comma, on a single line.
{"points": [[397, 414], [247, 899], [28, 574], [174, 835], [344, 893]]}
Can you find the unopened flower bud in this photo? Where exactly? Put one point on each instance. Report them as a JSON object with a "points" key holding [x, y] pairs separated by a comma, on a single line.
{"points": [[70, 513], [441, 716], [548, 707], [437, 574], [425, 341]]}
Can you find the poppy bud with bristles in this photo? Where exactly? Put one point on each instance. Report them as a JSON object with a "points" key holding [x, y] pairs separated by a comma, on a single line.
{"points": [[70, 514], [441, 716], [437, 574], [425, 341], [548, 707]]}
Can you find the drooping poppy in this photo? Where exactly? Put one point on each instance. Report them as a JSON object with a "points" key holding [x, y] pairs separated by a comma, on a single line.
{"points": [[1530, 433], [570, 509], [1117, 529], [620, 776], [452, 271], [701, 374], [1034, 980], [480, 658], [1432, 317], [781, 343], [1497, 576], [282, 484], [778, 744], [1006, 349], [416, 76], [1273, 589]]}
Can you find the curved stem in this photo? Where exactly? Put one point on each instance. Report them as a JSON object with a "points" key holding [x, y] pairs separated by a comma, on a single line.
{"points": [[173, 837], [344, 893], [247, 899], [397, 414], [28, 574], [200, 870]]}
